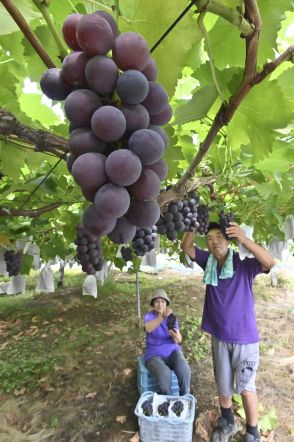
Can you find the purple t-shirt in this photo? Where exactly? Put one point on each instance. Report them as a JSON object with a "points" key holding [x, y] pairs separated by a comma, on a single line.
{"points": [[159, 342], [228, 312]]}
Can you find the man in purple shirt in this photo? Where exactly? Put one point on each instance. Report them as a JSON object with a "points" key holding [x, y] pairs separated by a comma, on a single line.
{"points": [[163, 352], [229, 317]]}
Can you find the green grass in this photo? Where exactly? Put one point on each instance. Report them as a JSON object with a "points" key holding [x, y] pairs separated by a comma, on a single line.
{"points": [[24, 362]]}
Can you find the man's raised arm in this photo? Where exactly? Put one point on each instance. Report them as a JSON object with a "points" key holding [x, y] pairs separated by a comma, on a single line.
{"points": [[187, 244], [261, 254]]}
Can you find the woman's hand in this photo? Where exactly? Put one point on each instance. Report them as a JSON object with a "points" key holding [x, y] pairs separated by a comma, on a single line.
{"points": [[176, 335], [166, 312]]}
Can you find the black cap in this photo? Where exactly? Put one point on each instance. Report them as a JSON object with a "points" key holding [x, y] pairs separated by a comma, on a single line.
{"points": [[212, 225]]}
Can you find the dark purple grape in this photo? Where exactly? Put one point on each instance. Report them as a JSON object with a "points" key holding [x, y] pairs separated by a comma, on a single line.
{"points": [[123, 167], [132, 87], [73, 69], [147, 144], [136, 116], [163, 117], [69, 31], [88, 171], [80, 105], [150, 70], [123, 232], [101, 74], [83, 141], [156, 100], [146, 187], [108, 123], [130, 51], [110, 21], [53, 85], [94, 34], [112, 201]]}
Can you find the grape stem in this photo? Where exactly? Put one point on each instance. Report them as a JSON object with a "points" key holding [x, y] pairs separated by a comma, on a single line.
{"points": [[209, 52], [234, 16], [116, 10], [28, 33], [43, 7]]}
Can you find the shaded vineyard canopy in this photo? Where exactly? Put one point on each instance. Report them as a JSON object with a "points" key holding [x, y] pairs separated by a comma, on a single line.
{"points": [[226, 66]]}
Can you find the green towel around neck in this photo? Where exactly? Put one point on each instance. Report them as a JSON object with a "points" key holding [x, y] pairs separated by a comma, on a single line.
{"points": [[210, 273]]}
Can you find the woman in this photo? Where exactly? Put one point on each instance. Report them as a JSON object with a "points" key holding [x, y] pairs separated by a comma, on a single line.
{"points": [[163, 352]]}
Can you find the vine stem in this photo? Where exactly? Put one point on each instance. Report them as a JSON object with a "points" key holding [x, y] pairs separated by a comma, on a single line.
{"points": [[209, 52], [116, 10], [32, 213], [24, 27], [232, 15], [43, 7]]}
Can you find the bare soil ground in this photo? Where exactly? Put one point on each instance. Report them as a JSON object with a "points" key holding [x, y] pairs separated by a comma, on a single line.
{"points": [[89, 391]]}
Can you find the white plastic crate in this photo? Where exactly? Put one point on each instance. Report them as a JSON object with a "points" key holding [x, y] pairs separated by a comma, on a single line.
{"points": [[164, 429], [147, 382]]}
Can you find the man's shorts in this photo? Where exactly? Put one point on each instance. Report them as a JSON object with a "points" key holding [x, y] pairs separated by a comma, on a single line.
{"points": [[234, 366]]}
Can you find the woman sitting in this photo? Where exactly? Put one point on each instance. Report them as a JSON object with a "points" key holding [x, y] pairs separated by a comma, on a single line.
{"points": [[163, 352]]}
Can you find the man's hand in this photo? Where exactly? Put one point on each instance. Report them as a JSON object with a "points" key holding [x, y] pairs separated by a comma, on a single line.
{"points": [[235, 232], [261, 254]]}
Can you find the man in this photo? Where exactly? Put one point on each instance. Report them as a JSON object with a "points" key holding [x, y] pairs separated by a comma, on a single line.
{"points": [[229, 317]]}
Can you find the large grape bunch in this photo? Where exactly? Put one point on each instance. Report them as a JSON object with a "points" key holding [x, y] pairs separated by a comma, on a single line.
{"points": [[89, 251], [115, 108], [13, 262], [224, 221]]}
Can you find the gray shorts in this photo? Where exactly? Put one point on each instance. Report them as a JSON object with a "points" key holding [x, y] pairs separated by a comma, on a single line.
{"points": [[234, 366]]}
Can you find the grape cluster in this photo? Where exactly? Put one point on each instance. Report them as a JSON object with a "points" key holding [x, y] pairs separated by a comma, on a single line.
{"points": [[13, 262], [202, 219], [144, 240], [224, 221], [177, 408], [126, 253], [171, 321], [115, 108], [189, 212], [163, 409], [147, 407], [184, 215], [171, 221], [89, 251]]}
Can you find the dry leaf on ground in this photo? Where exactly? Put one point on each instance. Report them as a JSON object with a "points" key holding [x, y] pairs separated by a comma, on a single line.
{"points": [[91, 395], [121, 419], [19, 392]]}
